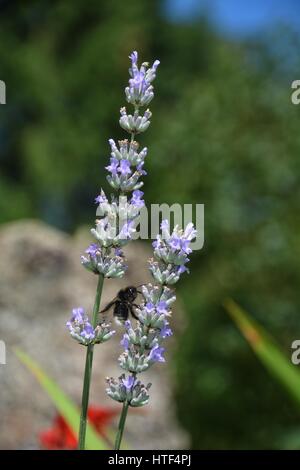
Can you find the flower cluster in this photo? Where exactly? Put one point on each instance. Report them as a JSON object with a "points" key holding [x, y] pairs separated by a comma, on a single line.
{"points": [[128, 389], [140, 91], [170, 253], [143, 343], [82, 331]]}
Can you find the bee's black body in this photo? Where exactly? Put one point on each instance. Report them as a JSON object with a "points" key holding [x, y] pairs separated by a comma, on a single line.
{"points": [[123, 303]]}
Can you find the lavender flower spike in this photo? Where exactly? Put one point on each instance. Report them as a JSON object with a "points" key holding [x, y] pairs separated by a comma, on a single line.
{"points": [[142, 343], [115, 224]]}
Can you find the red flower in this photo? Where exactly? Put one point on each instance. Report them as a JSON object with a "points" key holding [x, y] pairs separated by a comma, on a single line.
{"points": [[60, 436]]}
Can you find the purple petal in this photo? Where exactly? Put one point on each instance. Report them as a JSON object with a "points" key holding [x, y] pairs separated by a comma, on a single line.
{"points": [[162, 307], [128, 382]]}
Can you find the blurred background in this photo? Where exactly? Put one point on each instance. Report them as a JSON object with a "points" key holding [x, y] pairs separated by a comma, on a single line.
{"points": [[224, 133]]}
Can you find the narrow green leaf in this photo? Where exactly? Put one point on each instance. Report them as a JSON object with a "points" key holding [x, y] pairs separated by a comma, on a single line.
{"points": [[63, 403], [266, 349]]}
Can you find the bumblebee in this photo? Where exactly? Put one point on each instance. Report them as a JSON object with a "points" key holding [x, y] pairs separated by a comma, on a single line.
{"points": [[124, 303]]}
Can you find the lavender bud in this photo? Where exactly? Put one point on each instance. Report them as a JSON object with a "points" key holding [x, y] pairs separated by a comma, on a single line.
{"points": [[103, 333], [136, 123], [140, 395], [133, 362]]}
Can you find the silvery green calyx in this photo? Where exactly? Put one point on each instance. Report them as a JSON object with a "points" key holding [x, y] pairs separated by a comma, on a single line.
{"points": [[82, 331], [135, 123]]}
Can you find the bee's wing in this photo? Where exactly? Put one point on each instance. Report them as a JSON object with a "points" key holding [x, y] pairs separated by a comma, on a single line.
{"points": [[109, 305]]}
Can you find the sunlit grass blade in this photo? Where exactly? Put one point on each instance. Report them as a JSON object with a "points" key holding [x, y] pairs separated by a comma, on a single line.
{"points": [[62, 402], [266, 349]]}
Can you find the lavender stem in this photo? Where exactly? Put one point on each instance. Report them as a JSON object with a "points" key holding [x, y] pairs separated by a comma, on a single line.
{"points": [[88, 369], [121, 425]]}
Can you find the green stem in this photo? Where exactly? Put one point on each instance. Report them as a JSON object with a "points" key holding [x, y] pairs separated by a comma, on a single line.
{"points": [[88, 369], [121, 425]]}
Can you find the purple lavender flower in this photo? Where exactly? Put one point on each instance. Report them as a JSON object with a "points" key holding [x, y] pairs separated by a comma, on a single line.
{"points": [[155, 354], [166, 331], [101, 198], [138, 83], [124, 168], [162, 307], [175, 243], [134, 58], [149, 307], [125, 341], [190, 232], [136, 199], [164, 225], [113, 167], [78, 316], [185, 246], [88, 331], [127, 230], [128, 382], [92, 249], [157, 243], [119, 252], [181, 269], [141, 170], [140, 91], [80, 327]]}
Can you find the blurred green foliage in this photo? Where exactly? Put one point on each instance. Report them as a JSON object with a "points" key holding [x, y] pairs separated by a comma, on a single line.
{"points": [[224, 133]]}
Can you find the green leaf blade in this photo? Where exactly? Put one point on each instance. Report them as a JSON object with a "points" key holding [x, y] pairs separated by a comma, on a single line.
{"points": [[266, 349], [65, 406]]}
